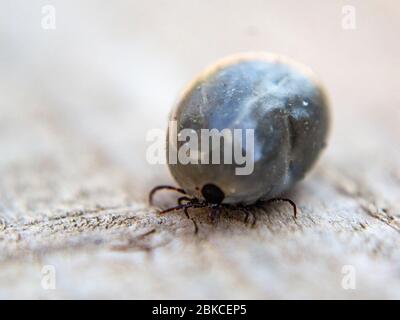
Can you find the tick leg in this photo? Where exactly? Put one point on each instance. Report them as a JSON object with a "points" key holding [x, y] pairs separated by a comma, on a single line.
{"points": [[246, 212], [183, 206], [254, 219], [214, 214], [186, 210], [196, 228], [173, 209], [156, 189], [246, 218], [184, 198], [291, 202], [253, 215]]}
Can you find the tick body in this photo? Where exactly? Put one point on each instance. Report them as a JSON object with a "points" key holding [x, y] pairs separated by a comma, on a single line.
{"points": [[280, 100]]}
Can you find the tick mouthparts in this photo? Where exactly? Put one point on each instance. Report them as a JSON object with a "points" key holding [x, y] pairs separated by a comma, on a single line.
{"points": [[212, 193]]}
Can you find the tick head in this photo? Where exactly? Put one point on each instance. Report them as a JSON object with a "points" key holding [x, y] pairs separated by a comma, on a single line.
{"points": [[212, 194]]}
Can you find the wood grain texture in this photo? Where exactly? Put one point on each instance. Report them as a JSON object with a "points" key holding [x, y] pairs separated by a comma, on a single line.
{"points": [[75, 106]]}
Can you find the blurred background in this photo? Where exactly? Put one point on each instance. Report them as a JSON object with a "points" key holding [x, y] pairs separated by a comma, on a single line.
{"points": [[81, 83]]}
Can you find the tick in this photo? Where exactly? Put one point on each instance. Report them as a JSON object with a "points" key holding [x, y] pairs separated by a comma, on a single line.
{"points": [[280, 100]]}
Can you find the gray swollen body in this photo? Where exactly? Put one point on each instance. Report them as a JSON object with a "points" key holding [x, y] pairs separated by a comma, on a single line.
{"points": [[277, 98]]}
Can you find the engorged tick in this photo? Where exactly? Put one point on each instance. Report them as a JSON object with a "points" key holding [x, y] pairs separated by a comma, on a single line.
{"points": [[278, 98]]}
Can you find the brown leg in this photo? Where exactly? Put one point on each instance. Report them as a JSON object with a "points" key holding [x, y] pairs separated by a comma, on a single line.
{"points": [[186, 210], [291, 202], [253, 224], [153, 191], [214, 214], [196, 228], [248, 213], [246, 218], [183, 206], [245, 211], [184, 198]]}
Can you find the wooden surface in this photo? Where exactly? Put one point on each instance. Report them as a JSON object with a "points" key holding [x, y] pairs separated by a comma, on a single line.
{"points": [[76, 103]]}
